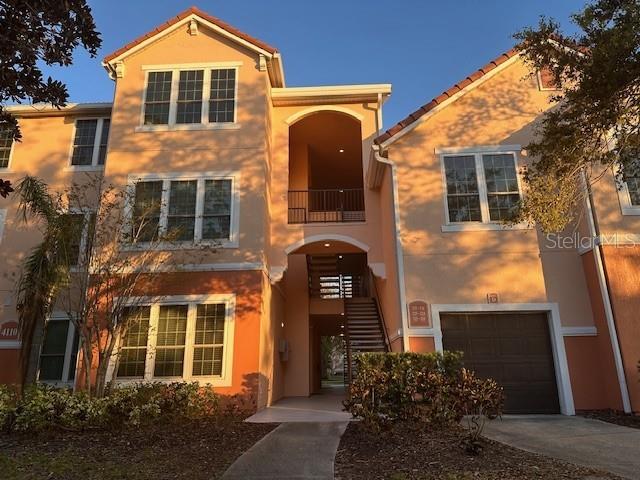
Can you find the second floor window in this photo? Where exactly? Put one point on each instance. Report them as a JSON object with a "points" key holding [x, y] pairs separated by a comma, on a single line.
{"points": [[6, 143], [183, 210], [195, 96], [480, 187], [90, 142]]}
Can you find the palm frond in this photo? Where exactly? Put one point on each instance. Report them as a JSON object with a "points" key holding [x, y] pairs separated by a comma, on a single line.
{"points": [[35, 200]]}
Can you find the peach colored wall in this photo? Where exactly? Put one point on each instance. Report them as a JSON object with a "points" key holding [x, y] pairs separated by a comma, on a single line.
{"points": [[241, 149], [10, 371], [421, 344], [462, 267], [296, 328], [43, 152], [282, 234], [271, 332], [247, 286], [622, 266], [603, 351]]}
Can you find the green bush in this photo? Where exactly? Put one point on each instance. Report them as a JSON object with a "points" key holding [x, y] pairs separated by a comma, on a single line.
{"points": [[44, 407], [431, 388]]}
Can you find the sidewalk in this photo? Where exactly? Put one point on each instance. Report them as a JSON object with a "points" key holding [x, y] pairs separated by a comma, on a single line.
{"points": [[301, 450]]}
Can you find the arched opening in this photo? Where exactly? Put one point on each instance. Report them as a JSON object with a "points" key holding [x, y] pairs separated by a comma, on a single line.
{"points": [[332, 312], [325, 169]]}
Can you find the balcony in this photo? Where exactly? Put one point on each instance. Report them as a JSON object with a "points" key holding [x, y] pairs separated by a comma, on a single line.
{"points": [[324, 206]]}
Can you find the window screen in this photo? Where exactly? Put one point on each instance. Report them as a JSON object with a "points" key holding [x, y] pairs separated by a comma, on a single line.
{"points": [[172, 332], [502, 186], [133, 352], [156, 105], [463, 198], [222, 96], [189, 109], [209, 339], [216, 222], [182, 209]]}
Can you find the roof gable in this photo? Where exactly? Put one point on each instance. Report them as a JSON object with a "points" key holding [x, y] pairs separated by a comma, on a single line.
{"points": [[473, 80], [112, 60], [183, 18]]}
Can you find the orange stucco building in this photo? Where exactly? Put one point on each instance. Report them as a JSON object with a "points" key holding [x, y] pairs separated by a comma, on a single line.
{"points": [[324, 225]]}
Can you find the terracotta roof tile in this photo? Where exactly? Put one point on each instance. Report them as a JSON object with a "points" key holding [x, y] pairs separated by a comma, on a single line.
{"points": [[475, 76], [181, 16]]}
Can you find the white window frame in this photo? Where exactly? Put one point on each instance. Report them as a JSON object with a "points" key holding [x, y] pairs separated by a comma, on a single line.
{"points": [[200, 177], [84, 238], [3, 220], [57, 316], [624, 197], [477, 153], [173, 104], [96, 146], [224, 380], [8, 167]]}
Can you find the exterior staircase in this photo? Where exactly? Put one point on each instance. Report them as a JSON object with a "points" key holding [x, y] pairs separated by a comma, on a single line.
{"points": [[364, 331]]}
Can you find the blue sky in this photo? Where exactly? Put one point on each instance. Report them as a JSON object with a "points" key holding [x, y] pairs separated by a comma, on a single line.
{"points": [[421, 47]]}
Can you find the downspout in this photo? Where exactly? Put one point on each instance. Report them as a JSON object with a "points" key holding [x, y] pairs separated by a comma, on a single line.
{"points": [[594, 231], [398, 243]]}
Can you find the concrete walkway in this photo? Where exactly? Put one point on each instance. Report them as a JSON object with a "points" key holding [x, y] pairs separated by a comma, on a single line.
{"points": [[324, 407], [579, 440], [302, 450]]}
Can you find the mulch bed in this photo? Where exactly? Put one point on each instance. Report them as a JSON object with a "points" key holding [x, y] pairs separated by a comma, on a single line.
{"points": [[406, 452], [175, 450], [612, 416]]}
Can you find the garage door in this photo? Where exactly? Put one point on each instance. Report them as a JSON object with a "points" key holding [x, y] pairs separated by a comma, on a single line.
{"points": [[512, 348]]}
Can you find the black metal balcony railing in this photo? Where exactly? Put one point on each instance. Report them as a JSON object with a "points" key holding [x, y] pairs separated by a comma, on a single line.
{"points": [[337, 286], [323, 206]]}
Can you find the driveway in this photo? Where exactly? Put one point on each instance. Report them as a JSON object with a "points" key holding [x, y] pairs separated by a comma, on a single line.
{"points": [[579, 440]]}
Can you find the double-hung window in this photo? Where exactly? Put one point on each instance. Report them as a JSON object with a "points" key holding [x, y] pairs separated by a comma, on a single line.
{"points": [[480, 188], [59, 351], [190, 97], [80, 226], [89, 149], [182, 208], [185, 337], [6, 145], [629, 191]]}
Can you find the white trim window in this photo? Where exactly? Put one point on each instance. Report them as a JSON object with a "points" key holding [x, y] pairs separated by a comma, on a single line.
{"points": [[629, 193], [190, 97], [80, 227], [89, 146], [181, 337], [59, 351], [482, 189], [187, 209], [6, 148]]}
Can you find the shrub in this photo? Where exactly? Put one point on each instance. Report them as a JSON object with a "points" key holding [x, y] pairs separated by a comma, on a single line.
{"points": [[44, 407], [429, 388]]}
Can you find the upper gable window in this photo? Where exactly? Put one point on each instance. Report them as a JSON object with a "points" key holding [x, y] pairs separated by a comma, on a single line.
{"points": [[89, 148], [482, 189], [6, 145], [193, 98]]}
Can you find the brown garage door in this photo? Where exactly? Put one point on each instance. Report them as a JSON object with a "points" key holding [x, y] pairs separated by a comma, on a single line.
{"points": [[512, 348]]}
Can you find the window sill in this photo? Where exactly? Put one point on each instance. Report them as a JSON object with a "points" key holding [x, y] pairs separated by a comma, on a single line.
{"points": [[213, 381], [84, 168], [187, 127], [478, 227], [631, 211], [162, 247]]}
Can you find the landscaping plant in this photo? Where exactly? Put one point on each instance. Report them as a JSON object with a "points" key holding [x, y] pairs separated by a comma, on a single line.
{"points": [[43, 407], [433, 389]]}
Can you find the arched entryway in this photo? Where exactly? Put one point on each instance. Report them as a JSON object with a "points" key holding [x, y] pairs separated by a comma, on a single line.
{"points": [[330, 298], [325, 168]]}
